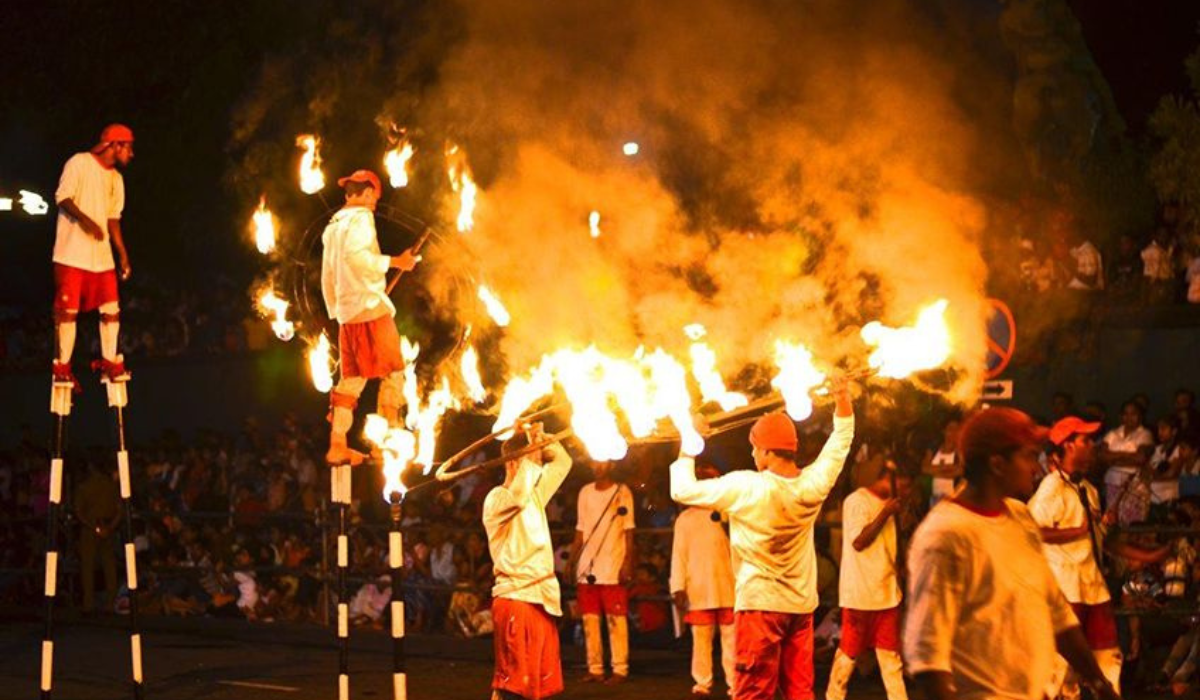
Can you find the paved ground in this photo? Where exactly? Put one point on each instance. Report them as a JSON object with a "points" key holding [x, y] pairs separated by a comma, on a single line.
{"points": [[227, 660]]}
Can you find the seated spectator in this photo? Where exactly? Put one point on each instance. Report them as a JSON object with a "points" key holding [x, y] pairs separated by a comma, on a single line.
{"points": [[1164, 474]]}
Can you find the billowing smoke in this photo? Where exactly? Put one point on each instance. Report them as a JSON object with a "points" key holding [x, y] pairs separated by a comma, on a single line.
{"points": [[804, 167]]}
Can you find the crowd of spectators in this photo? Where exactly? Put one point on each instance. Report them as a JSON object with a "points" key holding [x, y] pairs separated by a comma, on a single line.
{"points": [[235, 525]]}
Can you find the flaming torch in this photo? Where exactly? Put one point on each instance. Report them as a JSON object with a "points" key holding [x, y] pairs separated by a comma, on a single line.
{"points": [[900, 352], [494, 307], [797, 377], [395, 161], [270, 304], [469, 366], [464, 185], [594, 224], [704, 369], [264, 227], [312, 180]]}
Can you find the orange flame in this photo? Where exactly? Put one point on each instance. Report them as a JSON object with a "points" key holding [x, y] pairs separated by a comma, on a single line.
{"points": [[594, 224], [399, 448], [395, 161], [469, 367], [271, 304], [704, 369], [464, 185], [320, 365], [312, 180], [899, 352], [797, 377], [264, 227], [495, 309]]}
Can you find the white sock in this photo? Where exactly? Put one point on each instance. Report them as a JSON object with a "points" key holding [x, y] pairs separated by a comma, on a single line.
{"points": [[66, 341], [108, 333]]}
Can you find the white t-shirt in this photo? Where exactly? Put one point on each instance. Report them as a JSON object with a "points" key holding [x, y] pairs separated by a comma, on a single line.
{"points": [[604, 518], [99, 192], [983, 604], [701, 564], [1120, 440], [868, 578], [771, 523], [519, 536], [1057, 504], [353, 271]]}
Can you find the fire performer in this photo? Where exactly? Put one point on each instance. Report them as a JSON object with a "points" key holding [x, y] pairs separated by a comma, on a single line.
{"points": [[353, 274], [1067, 508], [869, 588], [91, 197], [985, 613], [702, 586], [771, 513], [525, 598], [602, 557]]}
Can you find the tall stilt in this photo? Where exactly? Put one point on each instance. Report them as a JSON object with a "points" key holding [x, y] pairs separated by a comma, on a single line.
{"points": [[396, 563], [118, 398], [60, 407], [340, 489]]}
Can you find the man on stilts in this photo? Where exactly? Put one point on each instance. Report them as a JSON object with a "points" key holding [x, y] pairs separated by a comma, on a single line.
{"points": [[985, 613], [526, 597], [869, 588], [771, 513], [353, 279], [91, 197], [1067, 508]]}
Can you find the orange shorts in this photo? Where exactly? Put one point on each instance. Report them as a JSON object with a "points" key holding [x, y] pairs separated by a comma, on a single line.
{"points": [[526, 646], [870, 629], [370, 349], [712, 616], [82, 290], [602, 599]]}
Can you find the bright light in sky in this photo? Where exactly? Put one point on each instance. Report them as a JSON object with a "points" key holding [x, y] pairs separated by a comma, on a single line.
{"points": [[631, 148]]}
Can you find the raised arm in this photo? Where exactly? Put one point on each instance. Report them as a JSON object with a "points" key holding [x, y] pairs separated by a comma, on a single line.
{"points": [[554, 472], [717, 494], [505, 503], [818, 478]]}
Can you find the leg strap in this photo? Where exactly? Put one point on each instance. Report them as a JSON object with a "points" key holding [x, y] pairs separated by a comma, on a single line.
{"points": [[114, 317], [66, 315], [340, 400]]}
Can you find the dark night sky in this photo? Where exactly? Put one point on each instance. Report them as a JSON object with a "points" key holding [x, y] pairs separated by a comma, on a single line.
{"points": [[174, 71]]}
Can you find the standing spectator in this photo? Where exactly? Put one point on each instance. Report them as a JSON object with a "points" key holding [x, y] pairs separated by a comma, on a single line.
{"points": [[985, 612], [702, 586], [602, 556], [98, 508], [1125, 450], [1158, 259], [771, 514], [1067, 509], [869, 587], [1088, 269], [943, 465]]}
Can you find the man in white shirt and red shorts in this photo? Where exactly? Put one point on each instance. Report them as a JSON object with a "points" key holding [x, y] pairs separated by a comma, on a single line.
{"points": [[869, 587], [526, 597], [91, 197], [702, 586], [985, 613], [1067, 508], [353, 282], [771, 514]]}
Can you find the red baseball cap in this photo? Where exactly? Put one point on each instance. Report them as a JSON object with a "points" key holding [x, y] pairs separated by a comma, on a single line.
{"points": [[997, 431], [362, 176], [774, 431], [1061, 431], [113, 133]]}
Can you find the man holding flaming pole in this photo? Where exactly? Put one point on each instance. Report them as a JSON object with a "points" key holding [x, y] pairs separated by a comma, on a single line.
{"points": [[526, 597], [353, 278], [771, 513]]}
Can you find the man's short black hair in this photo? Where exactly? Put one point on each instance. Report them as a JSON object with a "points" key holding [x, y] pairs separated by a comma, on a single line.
{"points": [[787, 455]]}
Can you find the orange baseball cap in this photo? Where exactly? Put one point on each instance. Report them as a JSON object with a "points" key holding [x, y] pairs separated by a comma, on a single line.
{"points": [[1061, 431], [774, 431], [113, 133], [362, 176]]}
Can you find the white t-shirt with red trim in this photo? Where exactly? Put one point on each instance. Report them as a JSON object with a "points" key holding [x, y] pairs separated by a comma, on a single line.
{"points": [[868, 578], [99, 192], [604, 518]]}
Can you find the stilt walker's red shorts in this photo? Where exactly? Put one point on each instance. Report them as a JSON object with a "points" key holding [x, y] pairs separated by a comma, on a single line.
{"points": [[370, 349], [602, 599], [526, 646], [774, 650], [870, 629], [76, 289]]}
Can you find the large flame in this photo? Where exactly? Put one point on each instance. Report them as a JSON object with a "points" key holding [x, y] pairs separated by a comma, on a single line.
{"points": [[594, 224], [670, 398], [899, 352], [312, 180], [463, 184], [398, 447], [494, 307], [797, 377], [395, 161], [704, 369], [469, 368], [320, 365], [270, 304], [33, 203], [264, 227], [409, 351], [428, 417]]}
